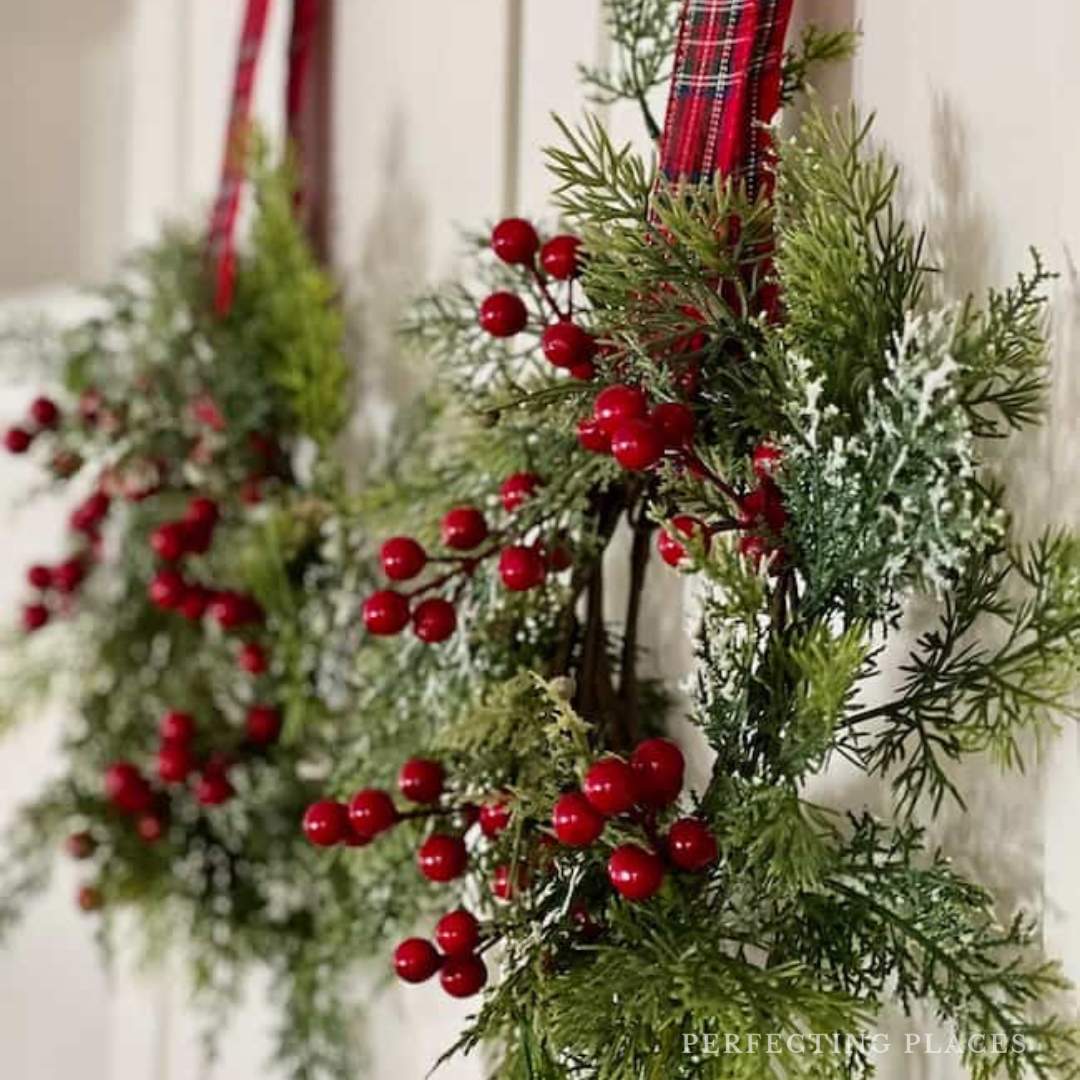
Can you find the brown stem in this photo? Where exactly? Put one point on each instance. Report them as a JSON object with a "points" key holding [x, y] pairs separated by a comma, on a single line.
{"points": [[628, 683]]}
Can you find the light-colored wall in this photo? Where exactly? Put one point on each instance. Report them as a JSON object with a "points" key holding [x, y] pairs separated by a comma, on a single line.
{"points": [[975, 102]]}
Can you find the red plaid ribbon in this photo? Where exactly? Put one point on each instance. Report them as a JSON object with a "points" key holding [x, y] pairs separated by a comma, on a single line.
{"points": [[227, 205], [725, 90]]}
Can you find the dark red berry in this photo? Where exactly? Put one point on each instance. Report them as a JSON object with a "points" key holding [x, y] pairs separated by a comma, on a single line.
{"points": [[635, 873], [202, 511], [80, 846], [213, 788], [421, 780], [326, 823], [126, 788], [637, 445], [39, 577], [690, 845], [592, 437], [457, 933], [252, 658], [584, 372], [195, 602], [89, 899], [514, 240], [559, 558], [415, 960], [574, 820], [658, 766], [463, 976], [176, 726], [402, 558], [521, 568], [616, 405], [764, 506], [44, 412], [676, 423], [372, 812], [672, 550], [69, 575], [766, 460], [167, 590], [34, 617], [559, 257], [169, 541], [442, 857], [609, 786], [263, 724], [385, 612], [565, 344], [517, 488], [251, 493], [464, 528], [231, 610], [17, 440], [756, 550], [494, 817], [434, 620], [503, 314], [175, 762], [505, 885]]}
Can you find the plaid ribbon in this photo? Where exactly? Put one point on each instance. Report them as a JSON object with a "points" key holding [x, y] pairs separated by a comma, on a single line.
{"points": [[227, 205], [725, 89]]}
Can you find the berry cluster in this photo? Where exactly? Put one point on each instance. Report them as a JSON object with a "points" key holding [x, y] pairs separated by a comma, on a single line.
{"points": [[43, 415], [469, 541], [564, 343]]}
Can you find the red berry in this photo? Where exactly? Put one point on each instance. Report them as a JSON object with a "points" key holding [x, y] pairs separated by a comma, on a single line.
{"points": [[176, 726], [39, 577], [326, 823], [505, 885], [80, 846], [69, 575], [213, 788], [251, 493], [263, 724], [690, 845], [521, 568], [494, 818], [514, 240], [195, 602], [415, 960], [609, 786], [457, 933], [252, 658], [421, 780], [755, 549], [559, 257], [658, 766], [764, 506], [150, 828], [592, 437], [616, 405], [584, 372], [202, 511], [637, 445], [766, 460], [231, 610], [565, 344], [175, 762], [167, 590], [89, 899], [169, 541], [464, 528], [385, 612], [635, 873], [672, 551], [371, 812], [503, 314], [126, 788], [676, 423], [34, 617], [434, 620], [463, 976], [560, 558], [442, 857], [574, 820], [402, 558], [44, 412], [517, 488], [17, 440]]}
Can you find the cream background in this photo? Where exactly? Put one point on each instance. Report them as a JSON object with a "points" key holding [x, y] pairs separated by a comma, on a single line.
{"points": [[112, 116]]}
